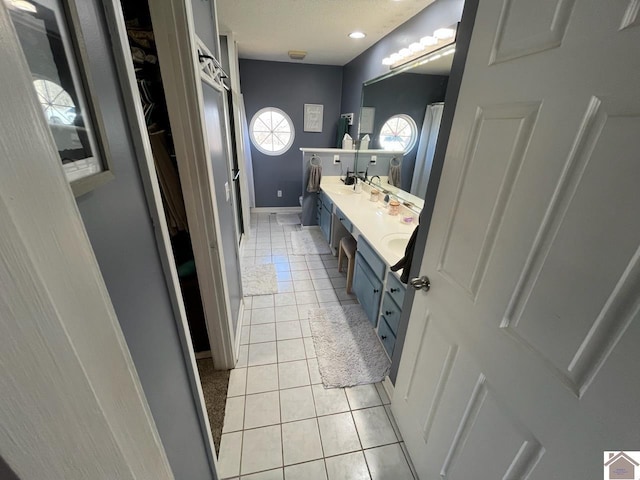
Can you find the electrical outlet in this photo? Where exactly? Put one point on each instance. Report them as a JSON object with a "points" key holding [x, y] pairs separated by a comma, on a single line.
{"points": [[279, 193], [336, 159], [374, 159]]}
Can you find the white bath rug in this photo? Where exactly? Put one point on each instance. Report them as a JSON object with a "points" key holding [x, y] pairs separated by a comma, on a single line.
{"points": [[288, 218], [309, 241], [348, 350], [259, 279]]}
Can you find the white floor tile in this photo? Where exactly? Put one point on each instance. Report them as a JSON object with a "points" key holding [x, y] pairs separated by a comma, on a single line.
{"points": [[297, 266], [299, 275], [303, 286], [262, 354], [246, 318], [374, 427], [289, 350], [284, 287], [363, 396], [286, 313], [288, 330], [262, 259], [264, 332], [279, 255], [306, 471], [314, 371], [248, 303], [262, 379], [268, 475], [243, 356], [394, 425], [282, 299], [328, 295], [244, 334], [282, 267], [237, 382], [293, 374], [330, 304], [263, 315], [233, 415], [339, 282], [330, 400], [284, 276], [303, 298], [334, 273], [388, 462], [343, 295], [318, 274], [301, 441], [408, 459], [262, 409], [322, 284], [351, 466], [261, 449], [262, 301], [314, 264], [338, 434], [305, 327], [309, 347], [303, 310], [296, 404], [229, 456]]}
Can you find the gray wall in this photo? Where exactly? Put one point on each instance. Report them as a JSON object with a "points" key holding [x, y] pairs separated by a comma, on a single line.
{"points": [[120, 231], [205, 24], [368, 65], [288, 86]]}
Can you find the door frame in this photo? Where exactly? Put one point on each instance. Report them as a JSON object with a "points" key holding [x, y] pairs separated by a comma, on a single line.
{"points": [[142, 146], [64, 408]]}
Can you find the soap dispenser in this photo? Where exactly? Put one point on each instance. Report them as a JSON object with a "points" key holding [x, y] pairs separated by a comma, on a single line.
{"points": [[357, 188]]}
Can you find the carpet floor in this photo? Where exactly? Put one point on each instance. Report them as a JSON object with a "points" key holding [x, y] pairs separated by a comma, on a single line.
{"points": [[215, 384]]}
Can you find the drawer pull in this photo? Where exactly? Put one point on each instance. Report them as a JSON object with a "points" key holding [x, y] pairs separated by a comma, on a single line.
{"points": [[394, 290], [375, 290], [383, 337], [388, 312]]}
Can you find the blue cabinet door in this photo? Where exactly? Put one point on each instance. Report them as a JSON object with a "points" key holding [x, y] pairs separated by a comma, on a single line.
{"points": [[368, 289], [325, 223]]}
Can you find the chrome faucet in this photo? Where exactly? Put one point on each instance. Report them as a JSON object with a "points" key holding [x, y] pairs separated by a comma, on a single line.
{"points": [[379, 181]]}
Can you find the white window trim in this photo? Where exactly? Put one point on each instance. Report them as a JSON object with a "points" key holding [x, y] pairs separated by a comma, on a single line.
{"points": [[259, 147]]}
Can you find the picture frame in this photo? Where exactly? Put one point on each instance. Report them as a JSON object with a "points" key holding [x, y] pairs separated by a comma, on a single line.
{"points": [[313, 116], [50, 35]]}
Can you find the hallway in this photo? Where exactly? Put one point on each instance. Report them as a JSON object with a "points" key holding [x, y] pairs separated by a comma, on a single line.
{"points": [[278, 413]]}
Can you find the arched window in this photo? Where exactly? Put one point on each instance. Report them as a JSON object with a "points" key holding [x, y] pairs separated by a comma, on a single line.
{"points": [[399, 133], [271, 131]]}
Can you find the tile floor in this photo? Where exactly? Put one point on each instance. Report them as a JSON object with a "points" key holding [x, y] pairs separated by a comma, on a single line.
{"points": [[280, 422]]}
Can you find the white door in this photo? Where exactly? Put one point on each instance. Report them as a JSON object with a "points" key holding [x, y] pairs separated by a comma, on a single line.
{"points": [[522, 360]]}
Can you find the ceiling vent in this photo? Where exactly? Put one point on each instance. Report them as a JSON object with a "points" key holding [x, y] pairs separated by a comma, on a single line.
{"points": [[297, 54]]}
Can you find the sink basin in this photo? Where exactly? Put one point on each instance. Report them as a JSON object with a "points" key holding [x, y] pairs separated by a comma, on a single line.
{"points": [[396, 242]]}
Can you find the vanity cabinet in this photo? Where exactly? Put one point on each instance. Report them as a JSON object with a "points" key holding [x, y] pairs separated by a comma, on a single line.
{"points": [[390, 313], [368, 279], [324, 208]]}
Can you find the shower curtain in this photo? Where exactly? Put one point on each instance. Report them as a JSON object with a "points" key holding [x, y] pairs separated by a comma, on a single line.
{"points": [[426, 149]]}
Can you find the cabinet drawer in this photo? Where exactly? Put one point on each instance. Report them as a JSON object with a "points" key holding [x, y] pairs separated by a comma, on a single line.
{"points": [[386, 336], [396, 289], [376, 264], [344, 220], [368, 289], [391, 312]]}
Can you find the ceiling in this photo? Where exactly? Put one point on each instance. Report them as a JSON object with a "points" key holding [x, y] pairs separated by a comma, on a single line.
{"points": [[268, 29]]}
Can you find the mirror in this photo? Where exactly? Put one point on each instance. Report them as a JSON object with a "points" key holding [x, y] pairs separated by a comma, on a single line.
{"points": [[401, 110]]}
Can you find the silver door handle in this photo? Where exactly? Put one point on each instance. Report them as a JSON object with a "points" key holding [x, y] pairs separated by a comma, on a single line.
{"points": [[421, 283]]}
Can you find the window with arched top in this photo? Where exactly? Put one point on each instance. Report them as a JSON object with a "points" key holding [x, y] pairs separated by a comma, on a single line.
{"points": [[271, 131], [398, 133]]}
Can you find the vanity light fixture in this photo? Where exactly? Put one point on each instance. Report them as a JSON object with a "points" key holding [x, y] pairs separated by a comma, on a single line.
{"points": [[426, 47], [23, 5], [357, 35]]}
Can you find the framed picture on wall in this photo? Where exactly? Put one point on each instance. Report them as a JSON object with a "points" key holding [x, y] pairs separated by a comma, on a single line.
{"points": [[313, 114], [367, 115], [49, 33]]}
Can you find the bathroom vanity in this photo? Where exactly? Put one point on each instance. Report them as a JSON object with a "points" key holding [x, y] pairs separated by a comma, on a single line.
{"points": [[382, 239]]}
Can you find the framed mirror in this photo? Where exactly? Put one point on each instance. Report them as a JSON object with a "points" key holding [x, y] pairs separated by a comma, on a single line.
{"points": [[402, 109], [49, 33]]}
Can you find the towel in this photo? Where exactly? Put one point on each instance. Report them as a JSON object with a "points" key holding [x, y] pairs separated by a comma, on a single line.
{"points": [[315, 174], [343, 127], [394, 174], [405, 262]]}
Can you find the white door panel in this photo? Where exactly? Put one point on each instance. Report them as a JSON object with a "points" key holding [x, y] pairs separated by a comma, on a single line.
{"points": [[520, 366]]}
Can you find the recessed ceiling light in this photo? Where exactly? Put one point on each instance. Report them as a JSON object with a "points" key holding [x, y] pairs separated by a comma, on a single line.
{"points": [[357, 35]]}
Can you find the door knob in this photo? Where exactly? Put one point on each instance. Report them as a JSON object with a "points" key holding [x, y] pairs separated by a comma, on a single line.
{"points": [[421, 283]]}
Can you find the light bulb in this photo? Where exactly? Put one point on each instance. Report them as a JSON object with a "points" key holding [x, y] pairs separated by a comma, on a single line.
{"points": [[395, 57], [443, 33], [404, 52], [387, 61], [428, 41], [416, 47], [357, 35]]}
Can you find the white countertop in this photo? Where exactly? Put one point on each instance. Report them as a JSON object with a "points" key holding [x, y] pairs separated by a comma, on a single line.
{"points": [[370, 219]]}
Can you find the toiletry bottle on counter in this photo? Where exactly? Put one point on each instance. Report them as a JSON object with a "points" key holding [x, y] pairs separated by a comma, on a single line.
{"points": [[347, 142], [394, 207]]}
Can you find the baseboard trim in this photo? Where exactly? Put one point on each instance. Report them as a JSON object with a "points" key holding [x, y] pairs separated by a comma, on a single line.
{"points": [[201, 355], [276, 209], [388, 387]]}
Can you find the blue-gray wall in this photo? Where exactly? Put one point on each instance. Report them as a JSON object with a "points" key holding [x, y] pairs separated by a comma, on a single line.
{"points": [[407, 93], [368, 65], [120, 230], [288, 86]]}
